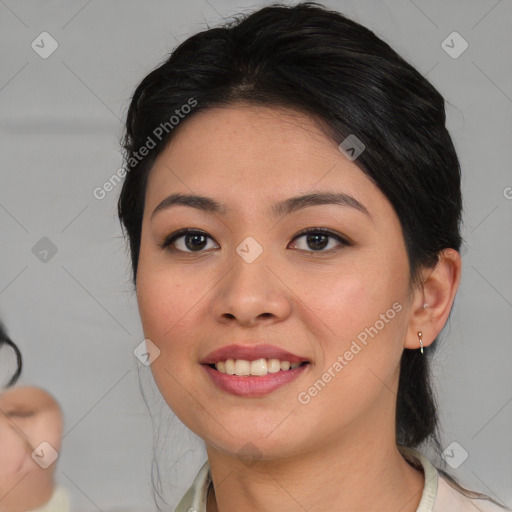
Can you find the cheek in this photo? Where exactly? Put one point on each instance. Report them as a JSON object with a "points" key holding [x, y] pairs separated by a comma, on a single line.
{"points": [[46, 426], [358, 322], [12, 453], [344, 304], [172, 310], [167, 296], [167, 304]]}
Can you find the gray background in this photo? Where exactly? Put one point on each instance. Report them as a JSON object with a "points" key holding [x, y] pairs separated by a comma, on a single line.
{"points": [[74, 316]]}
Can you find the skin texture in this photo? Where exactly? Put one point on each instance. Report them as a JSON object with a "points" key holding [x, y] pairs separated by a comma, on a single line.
{"points": [[311, 302], [28, 416]]}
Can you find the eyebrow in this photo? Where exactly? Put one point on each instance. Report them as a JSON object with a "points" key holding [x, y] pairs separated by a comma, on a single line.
{"points": [[290, 205]]}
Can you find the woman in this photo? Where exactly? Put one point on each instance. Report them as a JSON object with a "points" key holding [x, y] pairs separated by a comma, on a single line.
{"points": [[31, 423], [292, 202]]}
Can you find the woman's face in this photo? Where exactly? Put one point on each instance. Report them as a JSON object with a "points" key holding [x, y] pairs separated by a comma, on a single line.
{"points": [[253, 280], [29, 416]]}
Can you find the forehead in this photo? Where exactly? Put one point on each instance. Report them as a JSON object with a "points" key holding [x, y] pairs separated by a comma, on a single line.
{"points": [[27, 396], [251, 154], [249, 136]]}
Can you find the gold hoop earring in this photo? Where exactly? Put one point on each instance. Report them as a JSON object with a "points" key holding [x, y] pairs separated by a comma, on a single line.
{"points": [[420, 334]]}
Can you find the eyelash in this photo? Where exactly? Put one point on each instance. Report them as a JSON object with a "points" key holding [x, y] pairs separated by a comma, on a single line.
{"points": [[169, 240], [20, 414]]}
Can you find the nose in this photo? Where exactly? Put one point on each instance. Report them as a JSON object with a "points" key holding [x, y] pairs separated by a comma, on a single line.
{"points": [[252, 293]]}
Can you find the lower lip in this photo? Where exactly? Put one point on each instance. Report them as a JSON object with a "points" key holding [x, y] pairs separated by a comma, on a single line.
{"points": [[251, 386]]}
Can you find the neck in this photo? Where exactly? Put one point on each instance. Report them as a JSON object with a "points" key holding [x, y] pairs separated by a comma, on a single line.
{"points": [[355, 470]]}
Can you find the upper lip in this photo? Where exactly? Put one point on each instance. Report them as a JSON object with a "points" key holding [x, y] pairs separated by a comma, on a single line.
{"points": [[251, 353]]}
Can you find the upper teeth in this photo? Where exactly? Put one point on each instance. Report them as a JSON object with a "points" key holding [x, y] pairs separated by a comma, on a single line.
{"points": [[258, 367]]}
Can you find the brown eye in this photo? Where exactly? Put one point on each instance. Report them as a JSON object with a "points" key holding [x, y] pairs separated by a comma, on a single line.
{"points": [[193, 241], [317, 239]]}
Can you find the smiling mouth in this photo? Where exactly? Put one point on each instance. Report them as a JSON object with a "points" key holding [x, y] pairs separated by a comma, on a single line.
{"points": [[256, 368]]}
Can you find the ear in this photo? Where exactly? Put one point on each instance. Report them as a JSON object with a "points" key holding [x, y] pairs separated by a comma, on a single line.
{"points": [[438, 291]]}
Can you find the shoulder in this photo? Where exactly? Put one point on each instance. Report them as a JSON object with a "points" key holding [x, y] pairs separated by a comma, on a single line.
{"points": [[448, 498], [59, 501], [196, 496], [439, 495]]}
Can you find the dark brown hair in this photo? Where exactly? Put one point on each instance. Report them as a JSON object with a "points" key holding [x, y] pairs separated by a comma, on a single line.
{"points": [[5, 340]]}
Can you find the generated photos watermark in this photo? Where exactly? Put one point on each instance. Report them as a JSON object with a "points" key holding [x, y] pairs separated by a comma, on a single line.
{"points": [[157, 135], [342, 360]]}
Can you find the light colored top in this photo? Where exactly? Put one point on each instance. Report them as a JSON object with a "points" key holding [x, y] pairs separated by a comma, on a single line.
{"points": [[59, 501], [437, 496]]}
